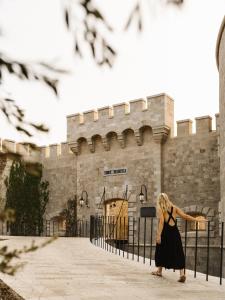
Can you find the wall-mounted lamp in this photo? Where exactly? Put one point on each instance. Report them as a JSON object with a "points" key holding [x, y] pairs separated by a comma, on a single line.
{"points": [[102, 201], [84, 201], [143, 197]]}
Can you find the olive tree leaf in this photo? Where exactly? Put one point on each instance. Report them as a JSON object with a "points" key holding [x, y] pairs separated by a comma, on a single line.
{"points": [[90, 35], [67, 19]]}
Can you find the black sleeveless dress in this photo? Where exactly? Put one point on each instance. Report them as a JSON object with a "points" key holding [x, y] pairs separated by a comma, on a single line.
{"points": [[169, 253]]}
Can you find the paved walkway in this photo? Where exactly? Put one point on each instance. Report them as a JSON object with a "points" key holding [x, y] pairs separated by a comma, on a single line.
{"points": [[74, 269]]}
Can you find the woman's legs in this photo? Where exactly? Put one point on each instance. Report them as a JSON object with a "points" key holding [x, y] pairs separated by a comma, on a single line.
{"points": [[182, 276], [158, 272], [182, 272]]}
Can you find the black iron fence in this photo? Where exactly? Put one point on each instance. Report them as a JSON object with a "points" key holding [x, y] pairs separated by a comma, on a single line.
{"points": [[134, 238], [79, 228]]}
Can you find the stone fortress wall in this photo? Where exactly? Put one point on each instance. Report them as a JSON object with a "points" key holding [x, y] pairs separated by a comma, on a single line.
{"points": [[139, 137], [220, 58], [141, 140], [185, 166]]}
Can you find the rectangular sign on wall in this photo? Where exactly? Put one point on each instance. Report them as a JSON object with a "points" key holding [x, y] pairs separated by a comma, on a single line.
{"points": [[148, 212], [115, 172]]}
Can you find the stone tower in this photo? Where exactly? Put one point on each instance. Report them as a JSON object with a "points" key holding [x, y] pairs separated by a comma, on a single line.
{"points": [[220, 57]]}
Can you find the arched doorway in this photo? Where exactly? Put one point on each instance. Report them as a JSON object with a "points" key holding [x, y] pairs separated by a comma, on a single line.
{"points": [[116, 215]]}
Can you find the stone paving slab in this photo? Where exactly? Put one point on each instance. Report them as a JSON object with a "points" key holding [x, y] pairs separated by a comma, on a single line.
{"points": [[74, 269]]}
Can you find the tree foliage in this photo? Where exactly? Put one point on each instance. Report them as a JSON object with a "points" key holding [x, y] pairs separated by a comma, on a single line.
{"points": [[26, 199], [28, 196], [6, 256], [70, 215]]}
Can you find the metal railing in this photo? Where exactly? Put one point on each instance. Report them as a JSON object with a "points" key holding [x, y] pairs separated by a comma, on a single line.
{"points": [[135, 239], [79, 228]]}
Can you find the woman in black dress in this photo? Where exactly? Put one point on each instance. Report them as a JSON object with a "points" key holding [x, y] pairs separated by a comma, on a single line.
{"points": [[169, 251]]}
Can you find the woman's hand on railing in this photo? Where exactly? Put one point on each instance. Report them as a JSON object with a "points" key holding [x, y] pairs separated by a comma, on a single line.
{"points": [[200, 219]]}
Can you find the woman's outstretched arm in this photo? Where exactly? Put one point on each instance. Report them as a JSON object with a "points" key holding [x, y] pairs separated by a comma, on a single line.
{"points": [[187, 217]]}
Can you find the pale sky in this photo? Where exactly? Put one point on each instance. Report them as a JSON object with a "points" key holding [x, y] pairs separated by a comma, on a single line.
{"points": [[174, 54]]}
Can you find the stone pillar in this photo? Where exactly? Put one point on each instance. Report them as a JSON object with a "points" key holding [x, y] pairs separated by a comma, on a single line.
{"points": [[74, 147], [160, 134]]}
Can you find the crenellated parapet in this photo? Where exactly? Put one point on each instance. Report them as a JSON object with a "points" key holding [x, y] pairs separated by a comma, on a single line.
{"points": [[54, 151], [23, 149], [122, 124], [203, 126], [39, 154], [158, 134], [155, 112]]}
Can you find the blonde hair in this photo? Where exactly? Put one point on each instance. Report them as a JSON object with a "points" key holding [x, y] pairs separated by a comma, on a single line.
{"points": [[164, 202]]}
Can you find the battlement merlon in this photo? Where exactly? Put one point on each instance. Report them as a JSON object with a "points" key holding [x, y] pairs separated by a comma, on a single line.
{"points": [[184, 127], [154, 111], [54, 151], [203, 124]]}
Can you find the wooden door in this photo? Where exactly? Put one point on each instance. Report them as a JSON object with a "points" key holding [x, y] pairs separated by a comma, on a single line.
{"points": [[116, 212]]}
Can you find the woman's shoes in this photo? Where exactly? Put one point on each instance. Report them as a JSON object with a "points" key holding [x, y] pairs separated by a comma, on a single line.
{"points": [[157, 273], [182, 278]]}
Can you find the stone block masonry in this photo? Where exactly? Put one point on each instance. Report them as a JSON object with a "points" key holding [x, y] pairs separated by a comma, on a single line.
{"points": [[138, 137], [220, 56]]}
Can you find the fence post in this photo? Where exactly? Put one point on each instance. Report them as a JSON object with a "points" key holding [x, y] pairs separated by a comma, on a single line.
{"points": [[53, 229], [144, 239], [98, 230], [110, 233], [124, 226], [120, 236], [107, 220], [150, 262], [138, 238], [101, 230], [128, 237], [133, 239], [207, 260], [93, 224], [196, 247], [221, 253], [105, 232], [90, 228], [116, 234], [185, 246]]}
